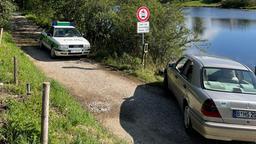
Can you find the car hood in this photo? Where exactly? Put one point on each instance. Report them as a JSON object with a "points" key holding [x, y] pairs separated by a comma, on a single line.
{"points": [[71, 41]]}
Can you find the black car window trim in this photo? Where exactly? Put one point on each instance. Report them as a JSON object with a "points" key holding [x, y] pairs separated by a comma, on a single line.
{"points": [[183, 64], [188, 65]]}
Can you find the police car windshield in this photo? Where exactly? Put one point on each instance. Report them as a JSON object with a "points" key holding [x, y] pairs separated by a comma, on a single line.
{"points": [[66, 32]]}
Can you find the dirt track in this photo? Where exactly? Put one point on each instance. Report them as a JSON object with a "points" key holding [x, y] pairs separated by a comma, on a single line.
{"points": [[140, 113]]}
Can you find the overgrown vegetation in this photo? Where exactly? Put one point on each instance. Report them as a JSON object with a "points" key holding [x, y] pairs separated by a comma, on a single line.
{"points": [[219, 3], [69, 122], [238, 3], [6, 9], [110, 26], [200, 3]]}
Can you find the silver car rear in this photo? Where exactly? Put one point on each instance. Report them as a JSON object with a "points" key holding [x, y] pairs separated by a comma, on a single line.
{"points": [[217, 96], [234, 93]]}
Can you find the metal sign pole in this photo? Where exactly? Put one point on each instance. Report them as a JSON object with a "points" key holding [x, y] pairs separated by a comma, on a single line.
{"points": [[143, 39], [143, 42]]}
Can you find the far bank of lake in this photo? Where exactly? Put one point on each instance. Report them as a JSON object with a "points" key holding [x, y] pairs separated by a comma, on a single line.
{"points": [[199, 3]]}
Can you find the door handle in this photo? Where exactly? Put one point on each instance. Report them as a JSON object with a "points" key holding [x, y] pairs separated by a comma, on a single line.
{"points": [[185, 87]]}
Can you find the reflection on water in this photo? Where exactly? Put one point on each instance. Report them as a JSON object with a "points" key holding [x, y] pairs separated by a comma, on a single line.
{"points": [[198, 25], [229, 32]]}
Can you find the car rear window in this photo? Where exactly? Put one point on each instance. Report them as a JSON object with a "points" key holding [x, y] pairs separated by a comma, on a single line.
{"points": [[229, 80]]}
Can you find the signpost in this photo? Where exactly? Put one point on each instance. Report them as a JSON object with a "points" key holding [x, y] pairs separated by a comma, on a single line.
{"points": [[142, 27], [143, 15]]}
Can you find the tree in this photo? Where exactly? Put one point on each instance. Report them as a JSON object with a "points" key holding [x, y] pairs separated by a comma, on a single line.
{"points": [[110, 25], [168, 34], [237, 3], [6, 9]]}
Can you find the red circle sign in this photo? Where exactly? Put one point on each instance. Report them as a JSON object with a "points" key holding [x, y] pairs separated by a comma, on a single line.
{"points": [[143, 14]]}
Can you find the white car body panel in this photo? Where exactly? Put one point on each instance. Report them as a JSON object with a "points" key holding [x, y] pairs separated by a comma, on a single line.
{"points": [[65, 46]]}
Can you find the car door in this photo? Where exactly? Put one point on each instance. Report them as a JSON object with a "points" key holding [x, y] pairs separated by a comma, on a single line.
{"points": [[175, 79], [184, 82], [47, 37], [188, 76]]}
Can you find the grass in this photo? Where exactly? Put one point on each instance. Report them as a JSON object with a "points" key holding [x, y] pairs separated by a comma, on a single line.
{"points": [[199, 3], [132, 66], [41, 21], [249, 8], [68, 121]]}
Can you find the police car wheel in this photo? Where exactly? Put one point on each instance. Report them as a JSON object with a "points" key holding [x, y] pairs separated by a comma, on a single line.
{"points": [[53, 53], [84, 56], [41, 45]]}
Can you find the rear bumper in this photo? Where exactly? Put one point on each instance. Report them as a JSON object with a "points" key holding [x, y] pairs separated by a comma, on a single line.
{"points": [[223, 131], [68, 53]]}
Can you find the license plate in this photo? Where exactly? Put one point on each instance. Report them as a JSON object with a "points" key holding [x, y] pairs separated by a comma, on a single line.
{"points": [[243, 114], [76, 51]]}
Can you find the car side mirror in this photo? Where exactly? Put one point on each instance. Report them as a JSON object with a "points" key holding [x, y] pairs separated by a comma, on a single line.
{"points": [[171, 65], [83, 35], [255, 70]]}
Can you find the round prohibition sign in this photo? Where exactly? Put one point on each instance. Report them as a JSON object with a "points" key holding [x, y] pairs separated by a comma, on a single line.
{"points": [[143, 14]]}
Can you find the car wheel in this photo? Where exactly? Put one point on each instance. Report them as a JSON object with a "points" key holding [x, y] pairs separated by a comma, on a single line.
{"points": [[165, 82], [187, 120], [84, 56], [53, 53]]}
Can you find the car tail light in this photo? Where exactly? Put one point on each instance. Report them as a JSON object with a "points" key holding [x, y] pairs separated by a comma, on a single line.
{"points": [[209, 109]]}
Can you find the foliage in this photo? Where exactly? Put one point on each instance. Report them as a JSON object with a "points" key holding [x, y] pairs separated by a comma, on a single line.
{"points": [[68, 121], [132, 65], [222, 3], [198, 3], [110, 25], [191, 1], [238, 3], [6, 9], [211, 1], [124, 62]]}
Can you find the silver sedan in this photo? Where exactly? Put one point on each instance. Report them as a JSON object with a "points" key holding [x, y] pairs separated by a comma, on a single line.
{"points": [[217, 96]]}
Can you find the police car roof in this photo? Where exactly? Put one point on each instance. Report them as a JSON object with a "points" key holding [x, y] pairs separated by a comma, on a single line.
{"points": [[63, 26]]}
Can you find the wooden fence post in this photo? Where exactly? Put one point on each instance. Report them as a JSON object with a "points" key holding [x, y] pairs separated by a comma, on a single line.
{"points": [[15, 71], [45, 113], [28, 89], [1, 35]]}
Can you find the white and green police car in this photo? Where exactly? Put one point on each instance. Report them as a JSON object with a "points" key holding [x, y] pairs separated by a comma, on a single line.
{"points": [[63, 39]]}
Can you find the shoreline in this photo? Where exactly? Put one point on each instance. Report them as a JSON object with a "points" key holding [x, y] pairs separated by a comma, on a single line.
{"points": [[213, 5]]}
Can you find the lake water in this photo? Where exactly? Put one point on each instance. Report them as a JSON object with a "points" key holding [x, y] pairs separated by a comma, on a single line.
{"points": [[225, 32]]}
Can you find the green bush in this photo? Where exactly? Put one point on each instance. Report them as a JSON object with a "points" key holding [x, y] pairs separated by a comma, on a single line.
{"points": [[211, 1], [6, 9], [110, 25], [167, 31], [237, 3]]}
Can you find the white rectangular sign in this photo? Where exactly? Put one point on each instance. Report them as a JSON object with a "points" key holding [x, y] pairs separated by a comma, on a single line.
{"points": [[142, 27]]}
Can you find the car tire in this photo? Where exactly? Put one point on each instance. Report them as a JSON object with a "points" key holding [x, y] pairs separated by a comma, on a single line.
{"points": [[84, 56], [186, 120], [53, 55], [165, 82]]}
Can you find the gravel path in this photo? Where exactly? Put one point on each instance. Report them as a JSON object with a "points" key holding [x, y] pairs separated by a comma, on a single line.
{"points": [[140, 113]]}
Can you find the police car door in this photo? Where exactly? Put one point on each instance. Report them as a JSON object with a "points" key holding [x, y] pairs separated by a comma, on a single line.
{"points": [[47, 39]]}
